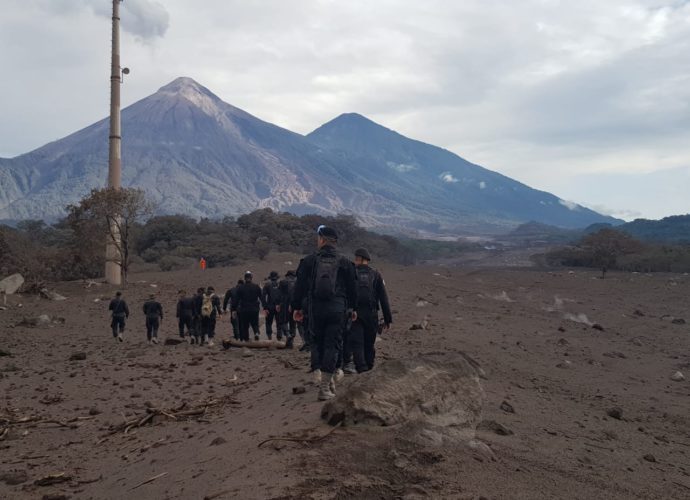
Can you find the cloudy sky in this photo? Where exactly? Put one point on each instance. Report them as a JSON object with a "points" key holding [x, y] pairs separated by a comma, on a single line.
{"points": [[587, 99]]}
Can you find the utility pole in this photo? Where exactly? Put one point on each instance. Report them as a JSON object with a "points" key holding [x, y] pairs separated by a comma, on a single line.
{"points": [[113, 271]]}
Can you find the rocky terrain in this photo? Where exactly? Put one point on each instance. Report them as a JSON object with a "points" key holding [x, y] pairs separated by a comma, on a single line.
{"points": [[580, 376]]}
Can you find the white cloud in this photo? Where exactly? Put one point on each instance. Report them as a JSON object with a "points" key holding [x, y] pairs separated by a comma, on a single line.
{"points": [[482, 185], [448, 177], [401, 167], [560, 90], [570, 205]]}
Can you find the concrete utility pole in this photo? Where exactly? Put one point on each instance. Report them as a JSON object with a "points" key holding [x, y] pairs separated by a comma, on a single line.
{"points": [[113, 271]]}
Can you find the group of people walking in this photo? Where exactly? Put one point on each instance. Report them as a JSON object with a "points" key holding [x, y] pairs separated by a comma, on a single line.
{"points": [[332, 302]]}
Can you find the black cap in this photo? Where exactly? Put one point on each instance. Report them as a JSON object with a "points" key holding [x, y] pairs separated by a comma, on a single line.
{"points": [[118, 294], [362, 252], [327, 232], [274, 275], [210, 289]]}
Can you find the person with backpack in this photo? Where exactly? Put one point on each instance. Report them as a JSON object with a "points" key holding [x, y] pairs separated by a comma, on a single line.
{"points": [[196, 319], [270, 298], [120, 313], [246, 306], [329, 282], [153, 312], [210, 311], [360, 351], [227, 302], [185, 314], [290, 279]]}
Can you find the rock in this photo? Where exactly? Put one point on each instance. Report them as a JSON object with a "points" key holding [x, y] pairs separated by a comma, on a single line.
{"points": [[615, 354], [678, 377], [417, 326], [561, 329], [11, 284], [173, 341], [565, 364], [507, 407], [637, 342], [54, 496], [482, 449], [300, 389], [678, 321], [218, 441], [94, 411], [495, 427], [597, 326], [4, 353], [649, 458], [42, 320], [78, 356], [615, 412], [440, 395], [47, 294], [247, 353], [13, 478], [637, 312]]}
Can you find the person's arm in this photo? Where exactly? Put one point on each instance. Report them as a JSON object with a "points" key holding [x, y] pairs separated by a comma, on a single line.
{"points": [[382, 298], [216, 305], [179, 308], [160, 311], [235, 300], [111, 307], [126, 309], [226, 299], [144, 307], [351, 283], [301, 285]]}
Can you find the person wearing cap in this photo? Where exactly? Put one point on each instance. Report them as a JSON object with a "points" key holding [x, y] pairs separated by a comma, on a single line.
{"points": [[120, 312], [227, 303], [271, 298], [210, 311], [290, 279], [328, 281], [246, 306], [360, 352], [153, 312]]}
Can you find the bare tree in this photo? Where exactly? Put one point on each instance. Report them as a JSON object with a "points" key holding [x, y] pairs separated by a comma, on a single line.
{"points": [[115, 212], [607, 245]]}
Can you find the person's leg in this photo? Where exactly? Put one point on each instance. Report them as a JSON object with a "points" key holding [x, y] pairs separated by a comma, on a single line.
{"points": [[235, 328], [155, 326], [347, 348], [269, 323], [355, 339], [332, 341], [113, 327], [149, 329], [254, 321], [211, 329], [370, 330], [244, 327], [180, 326]]}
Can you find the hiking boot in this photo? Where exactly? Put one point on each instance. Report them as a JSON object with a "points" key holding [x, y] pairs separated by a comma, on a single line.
{"points": [[350, 369], [289, 343], [325, 392], [317, 375], [192, 340], [339, 375], [256, 338], [279, 337]]}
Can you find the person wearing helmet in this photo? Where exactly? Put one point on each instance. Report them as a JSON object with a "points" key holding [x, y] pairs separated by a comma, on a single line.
{"points": [[246, 306], [359, 353]]}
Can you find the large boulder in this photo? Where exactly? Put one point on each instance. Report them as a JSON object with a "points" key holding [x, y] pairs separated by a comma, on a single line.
{"points": [[11, 284], [426, 393]]}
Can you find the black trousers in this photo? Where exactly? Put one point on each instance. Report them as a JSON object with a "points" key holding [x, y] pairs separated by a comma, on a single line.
{"points": [[270, 318], [208, 326], [152, 326], [247, 319], [361, 340], [235, 327], [185, 321], [118, 325], [328, 325], [196, 326]]}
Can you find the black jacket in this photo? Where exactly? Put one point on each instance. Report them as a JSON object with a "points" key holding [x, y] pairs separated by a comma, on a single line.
{"points": [[248, 298], [119, 308], [271, 295], [185, 307], [153, 309], [380, 295], [229, 297], [346, 279]]}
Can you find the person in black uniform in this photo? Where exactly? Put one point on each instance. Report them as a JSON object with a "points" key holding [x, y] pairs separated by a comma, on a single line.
{"points": [[210, 311], [185, 314], [290, 279], [328, 280], [246, 307], [360, 351], [270, 298], [196, 320], [120, 312], [153, 312], [227, 302], [283, 315]]}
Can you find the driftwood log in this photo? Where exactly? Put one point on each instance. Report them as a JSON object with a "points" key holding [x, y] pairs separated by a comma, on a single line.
{"points": [[254, 344]]}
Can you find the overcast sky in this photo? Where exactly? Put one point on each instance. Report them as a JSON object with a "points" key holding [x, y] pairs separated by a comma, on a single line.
{"points": [[587, 99]]}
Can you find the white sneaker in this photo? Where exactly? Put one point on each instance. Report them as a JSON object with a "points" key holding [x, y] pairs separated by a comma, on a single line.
{"points": [[210, 343], [339, 375], [205, 341], [154, 340], [119, 337], [317, 376]]}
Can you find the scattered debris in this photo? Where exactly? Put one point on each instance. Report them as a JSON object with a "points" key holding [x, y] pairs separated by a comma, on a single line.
{"points": [[47, 294], [678, 321], [495, 427], [78, 356], [597, 326], [578, 318], [11, 284], [300, 389], [42, 320], [615, 412], [52, 479], [173, 341], [637, 312], [218, 441], [13, 478], [565, 364], [507, 407], [649, 458], [254, 344], [678, 377], [150, 480], [615, 354]]}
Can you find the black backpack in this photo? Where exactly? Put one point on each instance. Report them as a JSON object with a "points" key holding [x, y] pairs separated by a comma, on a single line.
{"points": [[366, 295], [326, 277], [274, 293]]}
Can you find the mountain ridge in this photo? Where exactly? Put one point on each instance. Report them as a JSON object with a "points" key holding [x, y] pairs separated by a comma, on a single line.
{"points": [[200, 156]]}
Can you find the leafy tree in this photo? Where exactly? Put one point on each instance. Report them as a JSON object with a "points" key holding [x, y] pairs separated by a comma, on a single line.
{"points": [[114, 213]]}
